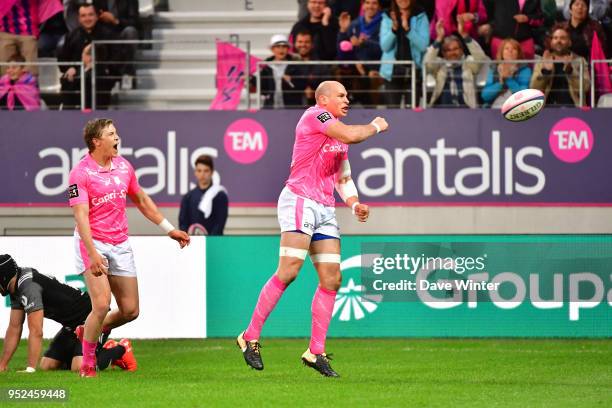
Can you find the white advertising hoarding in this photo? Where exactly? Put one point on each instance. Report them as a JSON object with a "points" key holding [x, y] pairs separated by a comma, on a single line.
{"points": [[171, 283]]}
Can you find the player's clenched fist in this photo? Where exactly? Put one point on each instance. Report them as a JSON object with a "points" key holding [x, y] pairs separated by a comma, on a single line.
{"points": [[362, 212], [380, 124], [180, 236]]}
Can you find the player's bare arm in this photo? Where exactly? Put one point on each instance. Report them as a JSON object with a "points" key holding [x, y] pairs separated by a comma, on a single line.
{"points": [[351, 134], [12, 336], [98, 264], [148, 208], [332, 95], [345, 186], [35, 327]]}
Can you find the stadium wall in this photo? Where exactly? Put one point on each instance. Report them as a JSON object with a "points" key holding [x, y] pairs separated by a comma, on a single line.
{"points": [[234, 281], [435, 171], [209, 289]]}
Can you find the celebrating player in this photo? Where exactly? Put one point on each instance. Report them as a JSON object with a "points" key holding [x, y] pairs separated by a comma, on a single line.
{"points": [[307, 218], [99, 185], [39, 296]]}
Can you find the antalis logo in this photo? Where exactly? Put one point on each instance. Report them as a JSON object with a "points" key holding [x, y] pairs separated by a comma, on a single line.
{"points": [[350, 304]]}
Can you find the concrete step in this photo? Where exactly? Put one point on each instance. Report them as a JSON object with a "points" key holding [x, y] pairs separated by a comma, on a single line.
{"points": [[258, 36], [224, 19], [168, 78], [171, 99], [173, 58], [232, 5]]}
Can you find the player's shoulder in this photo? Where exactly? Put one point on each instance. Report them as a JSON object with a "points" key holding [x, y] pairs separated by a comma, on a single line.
{"points": [[82, 166], [318, 113], [25, 276]]}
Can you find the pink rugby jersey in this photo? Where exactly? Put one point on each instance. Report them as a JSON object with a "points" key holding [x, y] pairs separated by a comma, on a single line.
{"points": [[105, 191], [316, 157]]}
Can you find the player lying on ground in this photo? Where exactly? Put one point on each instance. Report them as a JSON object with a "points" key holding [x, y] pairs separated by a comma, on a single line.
{"points": [[37, 296]]}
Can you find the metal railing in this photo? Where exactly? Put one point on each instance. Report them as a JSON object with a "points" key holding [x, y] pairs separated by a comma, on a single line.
{"points": [[594, 78], [52, 79], [368, 89], [419, 82], [177, 45], [480, 76]]}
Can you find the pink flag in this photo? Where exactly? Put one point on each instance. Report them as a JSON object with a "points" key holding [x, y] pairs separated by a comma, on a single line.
{"points": [[602, 70], [49, 8], [46, 8], [231, 67], [5, 6]]}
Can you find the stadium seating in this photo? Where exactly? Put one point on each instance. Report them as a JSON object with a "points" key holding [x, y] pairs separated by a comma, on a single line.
{"points": [[182, 76]]}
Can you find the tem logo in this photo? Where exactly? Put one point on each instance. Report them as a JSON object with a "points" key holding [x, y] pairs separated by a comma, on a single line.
{"points": [[245, 141], [571, 140]]}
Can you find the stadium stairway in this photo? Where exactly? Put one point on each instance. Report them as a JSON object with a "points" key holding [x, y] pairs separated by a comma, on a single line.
{"points": [[181, 76]]}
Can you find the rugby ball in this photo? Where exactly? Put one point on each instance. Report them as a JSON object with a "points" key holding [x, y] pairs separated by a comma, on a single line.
{"points": [[523, 105]]}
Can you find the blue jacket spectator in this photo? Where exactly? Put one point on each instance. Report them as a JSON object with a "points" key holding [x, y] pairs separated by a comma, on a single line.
{"points": [[496, 85], [506, 78], [363, 33], [417, 35]]}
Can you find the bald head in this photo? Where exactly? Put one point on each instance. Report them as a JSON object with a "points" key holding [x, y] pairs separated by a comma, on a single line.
{"points": [[332, 96], [327, 88]]}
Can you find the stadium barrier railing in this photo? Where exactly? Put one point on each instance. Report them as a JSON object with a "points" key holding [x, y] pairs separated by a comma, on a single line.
{"points": [[362, 80], [366, 88], [480, 78], [144, 69], [48, 77]]}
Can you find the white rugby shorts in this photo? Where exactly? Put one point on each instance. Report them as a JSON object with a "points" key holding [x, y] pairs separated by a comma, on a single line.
{"points": [[120, 257], [297, 213]]}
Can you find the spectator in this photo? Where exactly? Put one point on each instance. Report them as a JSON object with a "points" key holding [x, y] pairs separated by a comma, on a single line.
{"points": [[362, 37], [454, 72], [281, 85], [312, 74], [18, 88], [581, 28], [597, 9], [205, 207], [404, 35], [363, 33], [473, 13], [72, 51], [123, 17], [507, 78], [560, 81], [322, 26], [19, 27], [71, 89], [549, 18], [512, 19]]}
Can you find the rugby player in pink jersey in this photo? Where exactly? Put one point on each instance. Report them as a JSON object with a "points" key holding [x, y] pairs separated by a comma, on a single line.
{"points": [[307, 218], [98, 188]]}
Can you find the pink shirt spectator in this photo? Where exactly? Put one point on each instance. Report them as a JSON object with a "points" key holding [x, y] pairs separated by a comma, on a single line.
{"points": [[316, 157], [105, 191]]}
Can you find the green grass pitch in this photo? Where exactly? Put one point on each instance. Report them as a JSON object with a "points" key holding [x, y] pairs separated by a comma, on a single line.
{"points": [[375, 373]]}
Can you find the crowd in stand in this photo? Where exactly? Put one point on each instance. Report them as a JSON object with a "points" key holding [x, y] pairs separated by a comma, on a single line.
{"points": [[456, 42], [397, 40], [65, 30]]}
